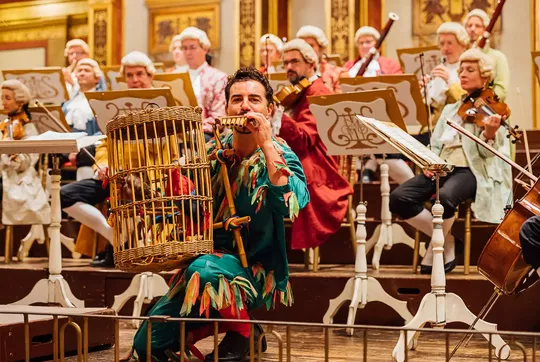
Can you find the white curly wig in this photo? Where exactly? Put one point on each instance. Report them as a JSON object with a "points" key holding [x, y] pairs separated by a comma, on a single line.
{"points": [[138, 59], [272, 39], [22, 93], [310, 31], [174, 40], [457, 29], [305, 49], [92, 63], [197, 34], [478, 13], [485, 65], [76, 43], [367, 30]]}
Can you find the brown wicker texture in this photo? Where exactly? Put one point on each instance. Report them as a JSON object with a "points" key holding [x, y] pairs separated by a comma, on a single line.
{"points": [[161, 196]]}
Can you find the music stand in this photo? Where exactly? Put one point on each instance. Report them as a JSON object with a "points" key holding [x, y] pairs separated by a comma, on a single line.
{"points": [[54, 289], [43, 122], [107, 105], [45, 84], [409, 59], [343, 134], [278, 80], [411, 106], [437, 307]]}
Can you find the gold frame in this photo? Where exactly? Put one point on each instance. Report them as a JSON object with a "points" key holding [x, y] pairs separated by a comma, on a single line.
{"points": [[421, 113], [328, 27], [182, 10], [95, 5], [47, 70]]}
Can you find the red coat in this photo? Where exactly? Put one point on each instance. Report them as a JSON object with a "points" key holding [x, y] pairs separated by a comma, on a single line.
{"points": [[328, 190], [388, 66]]}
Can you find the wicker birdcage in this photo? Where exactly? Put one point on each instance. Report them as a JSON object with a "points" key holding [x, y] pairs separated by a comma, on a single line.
{"points": [[161, 195]]}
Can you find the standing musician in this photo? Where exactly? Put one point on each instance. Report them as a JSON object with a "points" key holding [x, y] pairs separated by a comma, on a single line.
{"points": [[23, 198], [76, 50], [78, 198], [329, 73], [208, 82], [270, 46], [327, 188], [366, 37], [180, 64], [477, 173], [476, 23], [230, 290]]}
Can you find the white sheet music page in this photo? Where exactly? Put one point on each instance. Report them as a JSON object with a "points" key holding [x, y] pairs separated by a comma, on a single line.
{"points": [[50, 142]]}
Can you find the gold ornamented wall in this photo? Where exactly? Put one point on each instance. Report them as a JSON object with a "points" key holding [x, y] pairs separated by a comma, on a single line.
{"points": [[105, 20], [340, 22], [248, 33]]}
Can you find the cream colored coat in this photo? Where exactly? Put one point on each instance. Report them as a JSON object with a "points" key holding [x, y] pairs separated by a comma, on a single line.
{"points": [[493, 176], [24, 201]]}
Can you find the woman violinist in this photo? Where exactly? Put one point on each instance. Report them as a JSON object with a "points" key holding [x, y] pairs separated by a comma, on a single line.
{"points": [[478, 175], [23, 199]]}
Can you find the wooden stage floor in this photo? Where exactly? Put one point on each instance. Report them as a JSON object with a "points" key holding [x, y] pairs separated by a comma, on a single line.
{"points": [[308, 346]]}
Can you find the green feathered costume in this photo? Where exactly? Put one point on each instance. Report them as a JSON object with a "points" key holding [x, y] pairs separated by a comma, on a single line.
{"points": [[217, 281]]}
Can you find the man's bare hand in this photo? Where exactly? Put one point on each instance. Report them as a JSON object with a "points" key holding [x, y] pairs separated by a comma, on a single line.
{"points": [[440, 71], [259, 127]]}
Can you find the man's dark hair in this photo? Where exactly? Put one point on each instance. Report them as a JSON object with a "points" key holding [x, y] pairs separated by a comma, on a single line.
{"points": [[244, 74]]}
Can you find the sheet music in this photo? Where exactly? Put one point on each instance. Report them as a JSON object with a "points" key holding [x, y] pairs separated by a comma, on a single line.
{"points": [[407, 145]]}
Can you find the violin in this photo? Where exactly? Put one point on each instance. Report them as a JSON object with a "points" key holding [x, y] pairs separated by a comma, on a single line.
{"points": [[483, 103], [289, 95], [13, 127]]}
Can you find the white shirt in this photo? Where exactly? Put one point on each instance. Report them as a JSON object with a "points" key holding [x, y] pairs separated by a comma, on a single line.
{"points": [[195, 76], [371, 71], [437, 87], [181, 68]]}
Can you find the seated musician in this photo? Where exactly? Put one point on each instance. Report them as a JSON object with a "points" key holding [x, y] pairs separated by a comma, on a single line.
{"points": [[366, 38], [329, 73], [279, 191], [529, 237], [476, 23], [76, 50], [180, 65], [270, 47], [478, 175], [328, 189], [78, 198], [24, 200], [208, 82]]}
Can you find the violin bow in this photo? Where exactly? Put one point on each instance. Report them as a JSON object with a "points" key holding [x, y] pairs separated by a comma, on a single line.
{"points": [[267, 65], [428, 107], [63, 128], [525, 139]]}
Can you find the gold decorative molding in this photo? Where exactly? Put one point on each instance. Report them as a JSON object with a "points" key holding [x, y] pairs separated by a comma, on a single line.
{"points": [[340, 19], [105, 23], [36, 10], [535, 46], [155, 4], [249, 32]]}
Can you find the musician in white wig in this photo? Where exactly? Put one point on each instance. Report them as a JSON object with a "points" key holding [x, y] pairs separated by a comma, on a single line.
{"points": [[138, 70], [180, 65], [270, 51], [208, 82], [75, 51], [477, 175], [24, 201], [366, 38], [476, 23], [329, 73]]}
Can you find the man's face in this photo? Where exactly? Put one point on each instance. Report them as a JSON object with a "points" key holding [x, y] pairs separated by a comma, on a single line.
{"points": [[75, 54], [177, 54], [8, 101], [469, 76], [450, 47], [313, 42], [364, 44], [475, 27], [194, 54], [273, 54], [296, 66], [248, 96], [137, 77], [86, 77]]}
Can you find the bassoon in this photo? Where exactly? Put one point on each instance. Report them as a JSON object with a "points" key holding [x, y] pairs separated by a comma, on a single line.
{"points": [[481, 42]]}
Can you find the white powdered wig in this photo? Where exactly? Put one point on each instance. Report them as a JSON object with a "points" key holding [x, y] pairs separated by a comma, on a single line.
{"points": [[310, 31], [76, 43], [197, 34], [485, 65], [272, 39], [22, 94], [478, 13], [138, 59], [457, 29], [174, 40], [305, 49], [367, 30], [92, 63]]}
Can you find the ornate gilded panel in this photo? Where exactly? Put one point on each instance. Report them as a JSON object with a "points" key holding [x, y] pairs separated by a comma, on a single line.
{"points": [[100, 36], [249, 32], [340, 20]]}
